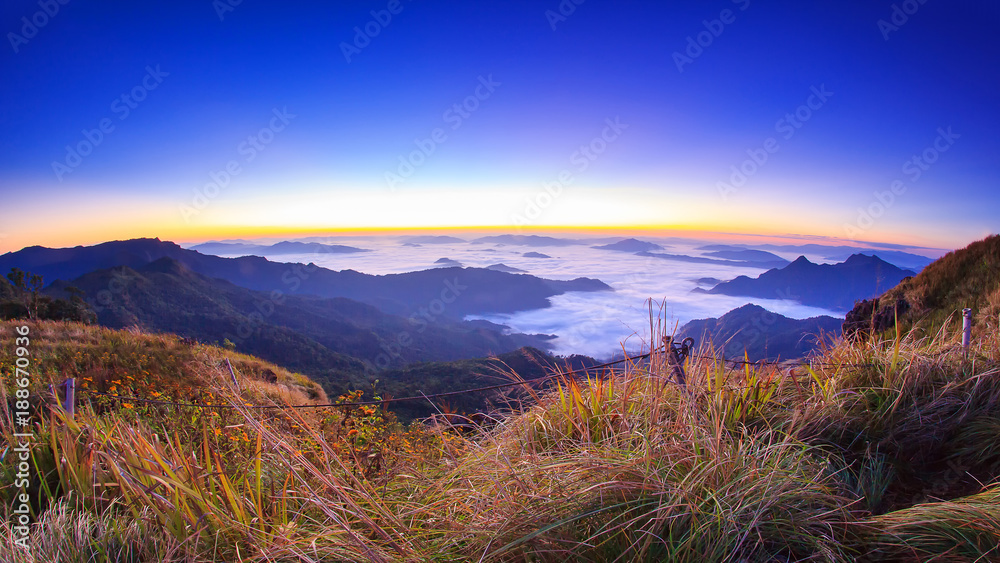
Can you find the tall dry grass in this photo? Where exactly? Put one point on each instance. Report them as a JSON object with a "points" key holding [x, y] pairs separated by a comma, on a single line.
{"points": [[882, 450]]}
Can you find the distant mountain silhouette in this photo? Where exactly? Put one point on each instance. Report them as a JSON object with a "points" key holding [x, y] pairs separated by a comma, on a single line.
{"points": [[747, 255], [535, 255], [432, 239], [312, 334], [527, 240], [286, 247], [455, 291], [704, 260], [838, 253], [630, 245], [760, 333], [448, 263], [504, 268], [831, 286]]}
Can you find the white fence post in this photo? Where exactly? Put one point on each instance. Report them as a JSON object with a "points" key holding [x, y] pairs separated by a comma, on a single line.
{"points": [[966, 330], [69, 400]]}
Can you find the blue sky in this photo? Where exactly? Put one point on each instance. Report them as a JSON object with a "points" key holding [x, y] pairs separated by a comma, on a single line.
{"points": [[314, 141]]}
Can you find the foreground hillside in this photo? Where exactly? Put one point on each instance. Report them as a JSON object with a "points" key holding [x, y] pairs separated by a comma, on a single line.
{"points": [[964, 278], [877, 451], [160, 366]]}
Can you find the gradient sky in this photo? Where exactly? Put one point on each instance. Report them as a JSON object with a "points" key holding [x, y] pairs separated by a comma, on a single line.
{"points": [[211, 77]]}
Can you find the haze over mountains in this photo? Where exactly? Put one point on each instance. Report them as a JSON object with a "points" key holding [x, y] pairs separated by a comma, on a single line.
{"points": [[297, 315], [742, 262], [471, 290], [285, 247], [403, 274], [324, 337], [630, 245], [899, 258]]}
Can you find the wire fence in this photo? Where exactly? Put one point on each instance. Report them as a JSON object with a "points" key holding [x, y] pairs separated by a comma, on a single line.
{"points": [[447, 394]]}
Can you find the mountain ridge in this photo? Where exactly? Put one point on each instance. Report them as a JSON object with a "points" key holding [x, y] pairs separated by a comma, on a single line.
{"points": [[456, 291], [760, 334], [831, 286]]}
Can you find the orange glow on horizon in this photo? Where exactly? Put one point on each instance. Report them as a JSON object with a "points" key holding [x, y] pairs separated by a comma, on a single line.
{"points": [[91, 234]]}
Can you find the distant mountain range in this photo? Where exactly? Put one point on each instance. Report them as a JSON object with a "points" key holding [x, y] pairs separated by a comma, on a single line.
{"points": [[451, 292], [705, 260], [898, 258], [432, 239], [630, 245], [504, 268], [286, 247], [760, 333], [745, 255], [527, 240], [326, 338], [830, 286]]}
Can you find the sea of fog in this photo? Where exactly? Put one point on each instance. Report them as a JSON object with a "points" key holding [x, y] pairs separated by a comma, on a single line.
{"points": [[593, 323]]}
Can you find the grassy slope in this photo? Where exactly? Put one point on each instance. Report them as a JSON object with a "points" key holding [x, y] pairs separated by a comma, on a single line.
{"points": [[134, 363], [893, 460], [969, 277]]}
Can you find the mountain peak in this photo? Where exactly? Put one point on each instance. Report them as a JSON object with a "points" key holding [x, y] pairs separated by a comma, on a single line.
{"points": [[748, 308], [861, 259], [831, 286]]}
